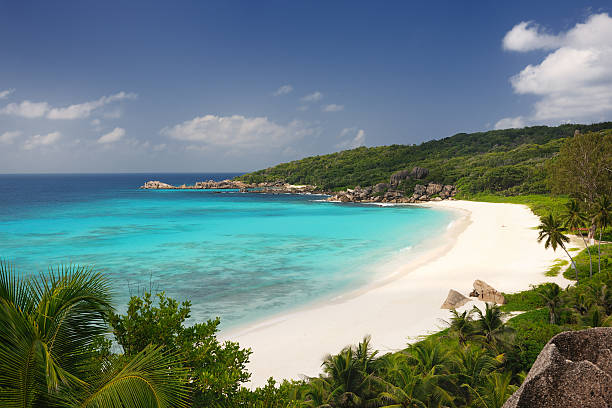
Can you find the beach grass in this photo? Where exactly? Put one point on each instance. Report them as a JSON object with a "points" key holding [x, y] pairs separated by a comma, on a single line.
{"points": [[522, 301], [556, 267], [540, 204]]}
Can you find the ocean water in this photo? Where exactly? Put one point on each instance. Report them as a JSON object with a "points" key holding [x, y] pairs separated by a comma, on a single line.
{"points": [[240, 256]]}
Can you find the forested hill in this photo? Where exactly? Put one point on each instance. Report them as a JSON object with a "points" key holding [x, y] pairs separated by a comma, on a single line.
{"points": [[509, 162]]}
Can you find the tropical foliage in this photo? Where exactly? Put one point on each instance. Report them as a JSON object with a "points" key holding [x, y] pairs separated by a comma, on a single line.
{"points": [[50, 327], [506, 162], [215, 370]]}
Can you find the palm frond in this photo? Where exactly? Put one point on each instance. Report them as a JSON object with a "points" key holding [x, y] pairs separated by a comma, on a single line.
{"points": [[152, 378]]}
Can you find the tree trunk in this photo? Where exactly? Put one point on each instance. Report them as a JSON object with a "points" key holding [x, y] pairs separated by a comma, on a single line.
{"points": [[599, 251], [573, 263], [552, 315], [589, 252], [592, 230]]}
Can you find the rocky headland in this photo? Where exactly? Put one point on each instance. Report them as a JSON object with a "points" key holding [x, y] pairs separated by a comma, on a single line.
{"points": [[277, 187], [390, 192]]}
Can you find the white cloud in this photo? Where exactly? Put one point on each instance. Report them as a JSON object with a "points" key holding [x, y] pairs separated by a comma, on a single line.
{"points": [[5, 94], [333, 108], [302, 108], [510, 123], [356, 137], [528, 36], [41, 140], [8, 137], [83, 110], [112, 136], [237, 132], [574, 81], [26, 109], [313, 97], [95, 122], [283, 90]]}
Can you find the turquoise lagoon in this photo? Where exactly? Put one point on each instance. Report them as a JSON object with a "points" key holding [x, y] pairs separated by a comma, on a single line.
{"points": [[239, 256]]}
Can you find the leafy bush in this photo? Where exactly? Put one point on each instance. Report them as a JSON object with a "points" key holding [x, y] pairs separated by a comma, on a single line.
{"points": [[216, 370], [532, 333]]}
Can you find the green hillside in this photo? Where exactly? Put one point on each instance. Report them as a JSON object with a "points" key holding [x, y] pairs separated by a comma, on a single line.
{"points": [[507, 162]]}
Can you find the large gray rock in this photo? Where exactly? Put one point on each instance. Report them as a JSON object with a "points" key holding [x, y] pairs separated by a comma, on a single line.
{"points": [[420, 189], [157, 185], [380, 187], [398, 177], [454, 300], [419, 173], [487, 293], [573, 370], [433, 188]]}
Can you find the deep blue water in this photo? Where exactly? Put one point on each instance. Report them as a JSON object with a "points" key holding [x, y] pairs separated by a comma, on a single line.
{"points": [[234, 255]]}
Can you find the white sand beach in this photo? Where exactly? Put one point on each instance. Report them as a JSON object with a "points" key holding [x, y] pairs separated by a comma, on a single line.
{"points": [[496, 243]]}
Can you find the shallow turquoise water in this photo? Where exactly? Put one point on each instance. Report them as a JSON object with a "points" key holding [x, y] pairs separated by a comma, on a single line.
{"points": [[234, 255]]}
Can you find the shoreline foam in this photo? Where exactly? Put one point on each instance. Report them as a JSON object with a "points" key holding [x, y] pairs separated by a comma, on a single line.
{"points": [[493, 242]]}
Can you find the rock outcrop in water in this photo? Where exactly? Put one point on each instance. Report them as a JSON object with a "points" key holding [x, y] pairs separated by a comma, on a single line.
{"points": [[379, 193], [573, 370], [267, 187]]}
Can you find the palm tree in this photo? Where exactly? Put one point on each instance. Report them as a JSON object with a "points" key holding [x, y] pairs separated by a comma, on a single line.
{"points": [[473, 364], [580, 301], [48, 329], [430, 355], [433, 362], [365, 357], [495, 392], [318, 394], [551, 232], [349, 384], [602, 219], [407, 391], [575, 219], [461, 325], [551, 294], [491, 327]]}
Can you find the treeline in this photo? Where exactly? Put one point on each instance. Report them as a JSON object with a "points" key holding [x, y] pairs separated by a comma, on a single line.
{"points": [[506, 162]]}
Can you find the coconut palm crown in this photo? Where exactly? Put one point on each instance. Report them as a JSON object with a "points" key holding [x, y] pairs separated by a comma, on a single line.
{"points": [[49, 327], [551, 232]]}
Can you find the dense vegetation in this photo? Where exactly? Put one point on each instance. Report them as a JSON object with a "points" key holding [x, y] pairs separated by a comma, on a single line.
{"points": [[53, 353], [508, 162], [478, 361]]}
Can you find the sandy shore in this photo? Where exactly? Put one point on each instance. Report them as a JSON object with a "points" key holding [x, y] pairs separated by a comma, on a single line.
{"points": [[492, 242]]}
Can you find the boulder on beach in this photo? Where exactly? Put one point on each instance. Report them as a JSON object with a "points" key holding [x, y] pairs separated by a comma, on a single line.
{"points": [[574, 369], [454, 300], [380, 187], [433, 188], [487, 293], [420, 189]]}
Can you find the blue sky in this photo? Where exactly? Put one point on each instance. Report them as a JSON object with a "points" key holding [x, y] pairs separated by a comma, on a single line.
{"points": [[237, 86]]}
